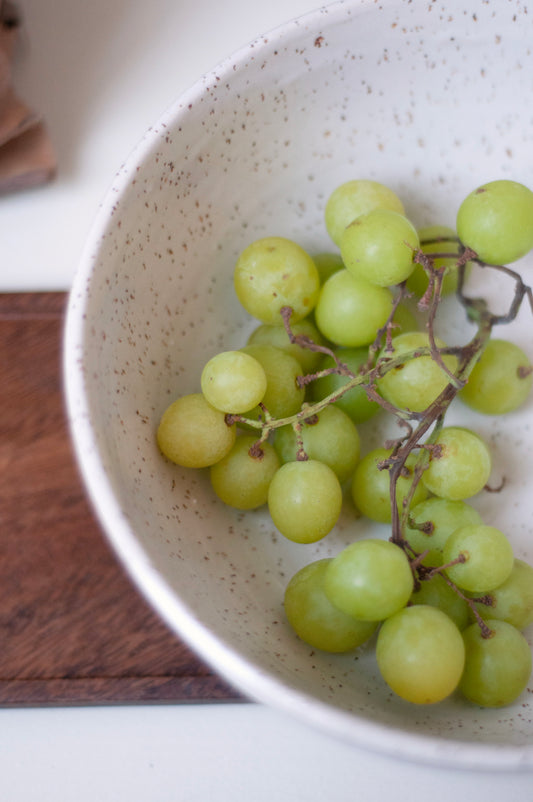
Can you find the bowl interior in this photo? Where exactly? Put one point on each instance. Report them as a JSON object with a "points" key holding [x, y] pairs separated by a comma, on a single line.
{"points": [[431, 99]]}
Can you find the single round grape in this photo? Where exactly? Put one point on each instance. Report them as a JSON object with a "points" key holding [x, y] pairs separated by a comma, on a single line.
{"points": [[512, 601], [194, 434], [488, 557], [277, 336], [441, 517], [418, 280], [436, 592], [420, 654], [330, 436], [350, 311], [327, 264], [371, 486], [463, 467], [275, 272], [379, 247], [419, 381], [241, 479], [496, 221], [283, 396], [315, 619], [305, 500], [354, 402], [369, 580], [500, 381], [497, 669], [354, 198], [233, 381]]}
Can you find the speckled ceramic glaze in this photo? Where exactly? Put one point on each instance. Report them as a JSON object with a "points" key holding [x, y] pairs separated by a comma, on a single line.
{"points": [[431, 98]]}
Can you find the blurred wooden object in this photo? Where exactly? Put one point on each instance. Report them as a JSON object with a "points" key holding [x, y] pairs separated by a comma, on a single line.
{"points": [[26, 155], [73, 630]]}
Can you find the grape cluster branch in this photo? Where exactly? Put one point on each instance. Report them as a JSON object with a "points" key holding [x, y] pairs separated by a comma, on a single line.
{"points": [[416, 426]]}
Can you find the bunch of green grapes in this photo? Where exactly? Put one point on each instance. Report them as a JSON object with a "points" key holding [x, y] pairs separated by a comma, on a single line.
{"points": [[277, 423]]}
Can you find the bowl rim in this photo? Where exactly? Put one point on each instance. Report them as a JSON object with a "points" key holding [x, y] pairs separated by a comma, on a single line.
{"points": [[238, 671]]}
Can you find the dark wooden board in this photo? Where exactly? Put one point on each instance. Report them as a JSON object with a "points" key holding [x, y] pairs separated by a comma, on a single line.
{"points": [[73, 629]]}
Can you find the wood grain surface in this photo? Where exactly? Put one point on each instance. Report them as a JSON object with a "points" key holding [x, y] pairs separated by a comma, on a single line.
{"points": [[73, 630]]}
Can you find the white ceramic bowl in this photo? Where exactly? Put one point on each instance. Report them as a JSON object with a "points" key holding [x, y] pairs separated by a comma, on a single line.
{"points": [[431, 98]]}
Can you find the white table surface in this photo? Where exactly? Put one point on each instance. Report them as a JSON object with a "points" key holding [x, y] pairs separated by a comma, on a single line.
{"points": [[102, 72]]}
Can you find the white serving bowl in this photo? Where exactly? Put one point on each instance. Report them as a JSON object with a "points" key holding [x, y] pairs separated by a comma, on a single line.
{"points": [[430, 98]]}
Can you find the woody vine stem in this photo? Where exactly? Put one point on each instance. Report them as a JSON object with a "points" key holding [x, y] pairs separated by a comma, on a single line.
{"points": [[381, 359]]}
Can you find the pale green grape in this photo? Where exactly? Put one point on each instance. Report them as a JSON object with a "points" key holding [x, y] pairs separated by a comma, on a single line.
{"points": [[463, 467], [277, 336], [369, 580], [418, 280], [354, 402], [420, 654], [496, 221], [350, 311], [443, 517], [417, 382], [315, 619], [329, 436], [354, 198], [327, 264], [282, 397], [404, 320], [304, 500], [436, 592], [497, 669], [488, 557], [500, 381], [194, 434], [512, 601], [371, 486], [241, 479], [275, 272], [233, 381], [379, 247]]}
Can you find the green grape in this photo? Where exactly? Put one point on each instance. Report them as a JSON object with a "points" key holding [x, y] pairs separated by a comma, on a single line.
{"points": [[282, 397], [379, 247], [496, 221], [420, 654], [277, 336], [369, 580], [350, 311], [512, 601], [497, 669], [330, 436], [500, 381], [442, 517], [315, 619], [419, 381], [233, 382], [305, 500], [272, 273], [418, 280], [404, 320], [241, 479], [436, 592], [327, 264], [463, 466], [194, 434], [371, 486], [488, 557], [354, 402], [354, 198]]}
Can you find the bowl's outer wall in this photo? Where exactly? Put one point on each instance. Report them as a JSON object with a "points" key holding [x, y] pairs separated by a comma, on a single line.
{"points": [[430, 98]]}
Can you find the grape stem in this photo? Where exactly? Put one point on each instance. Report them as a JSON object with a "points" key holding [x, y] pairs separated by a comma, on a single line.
{"points": [[381, 359]]}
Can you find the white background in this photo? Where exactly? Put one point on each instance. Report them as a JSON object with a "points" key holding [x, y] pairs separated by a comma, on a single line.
{"points": [[102, 73]]}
